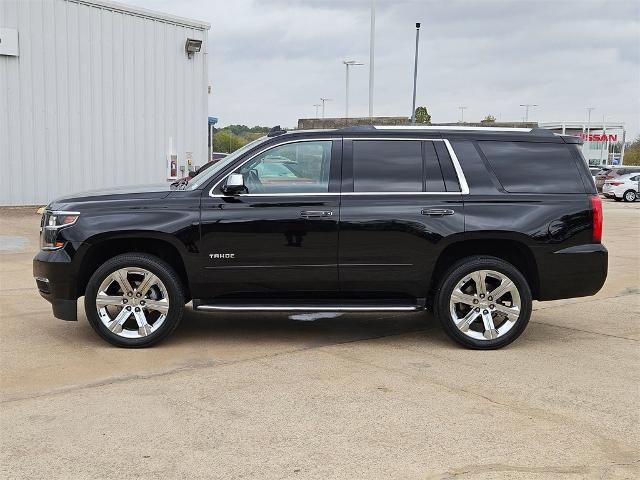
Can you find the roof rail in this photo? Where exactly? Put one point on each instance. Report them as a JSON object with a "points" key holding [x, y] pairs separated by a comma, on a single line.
{"points": [[454, 128]]}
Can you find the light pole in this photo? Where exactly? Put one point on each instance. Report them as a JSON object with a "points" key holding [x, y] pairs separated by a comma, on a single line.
{"points": [[415, 76], [317, 105], [324, 100], [462, 109], [526, 110], [589, 110], [604, 130], [347, 64], [371, 55]]}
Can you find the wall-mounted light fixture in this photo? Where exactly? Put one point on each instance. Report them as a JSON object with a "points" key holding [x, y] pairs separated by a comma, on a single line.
{"points": [[192, 46]]}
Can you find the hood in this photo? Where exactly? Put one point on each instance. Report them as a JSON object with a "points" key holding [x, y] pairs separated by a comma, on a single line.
{"points": [[159, 190]]}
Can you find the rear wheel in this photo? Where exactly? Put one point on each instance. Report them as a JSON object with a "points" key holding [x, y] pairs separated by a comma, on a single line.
{"points": [[483, 302], [629, 196], [134, 300]]}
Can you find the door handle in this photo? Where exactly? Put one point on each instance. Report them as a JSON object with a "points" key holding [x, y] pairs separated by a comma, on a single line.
{"points": [[315, 213], [437, 212]]}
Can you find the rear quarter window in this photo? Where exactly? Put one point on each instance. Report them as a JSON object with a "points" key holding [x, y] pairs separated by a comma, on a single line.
{"points": [[523, 167]]}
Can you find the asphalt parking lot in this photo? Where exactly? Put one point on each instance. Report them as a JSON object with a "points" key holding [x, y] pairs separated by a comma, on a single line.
{"points": [[345, 396]]}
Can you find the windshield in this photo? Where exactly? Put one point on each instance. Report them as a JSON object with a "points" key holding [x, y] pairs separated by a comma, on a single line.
{"points": [[208, 173]]}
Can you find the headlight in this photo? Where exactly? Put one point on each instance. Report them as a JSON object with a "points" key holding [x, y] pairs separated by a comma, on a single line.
{"points": [[52, 222]]}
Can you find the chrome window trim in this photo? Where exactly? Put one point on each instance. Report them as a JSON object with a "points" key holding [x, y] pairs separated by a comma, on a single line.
{"points": [[464, 187], [351, 194]]}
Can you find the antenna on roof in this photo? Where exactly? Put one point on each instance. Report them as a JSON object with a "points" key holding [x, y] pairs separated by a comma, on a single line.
{"points": [[275, 131]]}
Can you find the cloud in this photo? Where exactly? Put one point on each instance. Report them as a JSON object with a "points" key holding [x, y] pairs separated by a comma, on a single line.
{"points": [[271, 60]]}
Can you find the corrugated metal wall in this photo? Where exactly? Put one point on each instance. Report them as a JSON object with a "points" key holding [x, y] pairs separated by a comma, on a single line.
{"points": [[94, 98]]}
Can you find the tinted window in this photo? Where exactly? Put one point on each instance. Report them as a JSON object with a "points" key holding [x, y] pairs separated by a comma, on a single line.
{"points": [[387, 166], [433, 174], [301, 167], [523, 167]]}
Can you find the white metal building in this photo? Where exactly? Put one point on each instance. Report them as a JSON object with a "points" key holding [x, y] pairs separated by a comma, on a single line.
{"points": [[95, 94]]}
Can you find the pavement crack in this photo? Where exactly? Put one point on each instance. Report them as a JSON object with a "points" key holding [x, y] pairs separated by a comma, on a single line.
{"points": [[599, 334], [625, 293], [186, 368]]}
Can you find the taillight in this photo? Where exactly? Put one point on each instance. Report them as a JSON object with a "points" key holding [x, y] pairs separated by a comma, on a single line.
{"points": [[615, 184], [596, 211]]}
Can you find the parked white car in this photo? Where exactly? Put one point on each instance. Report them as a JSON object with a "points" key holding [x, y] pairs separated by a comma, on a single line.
{"points": [[624, 187]]}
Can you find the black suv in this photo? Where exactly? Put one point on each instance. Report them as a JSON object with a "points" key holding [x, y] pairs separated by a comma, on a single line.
{"points": [[472, 224]]}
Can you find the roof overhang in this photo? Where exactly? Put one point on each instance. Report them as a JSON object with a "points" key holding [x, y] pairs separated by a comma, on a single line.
{"points": [[144, 13]]}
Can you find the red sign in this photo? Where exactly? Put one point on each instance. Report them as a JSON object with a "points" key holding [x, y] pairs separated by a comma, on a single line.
{"points": [[598, 137]]}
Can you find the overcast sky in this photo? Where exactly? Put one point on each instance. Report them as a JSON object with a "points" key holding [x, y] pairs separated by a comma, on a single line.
{"points": [[270, 61]]}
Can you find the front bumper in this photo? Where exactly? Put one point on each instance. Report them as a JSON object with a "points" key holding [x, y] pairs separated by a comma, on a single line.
{"points": [[56, 282]]}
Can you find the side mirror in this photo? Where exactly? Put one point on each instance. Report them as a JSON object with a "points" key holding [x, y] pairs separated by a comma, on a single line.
{"points": [[234, 184]]}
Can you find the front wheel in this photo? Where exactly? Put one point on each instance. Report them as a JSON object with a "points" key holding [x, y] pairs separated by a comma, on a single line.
{"points": [[629, 196], [134, 300], [483, 302]]}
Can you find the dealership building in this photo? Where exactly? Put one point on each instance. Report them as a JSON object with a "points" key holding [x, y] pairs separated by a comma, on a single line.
{"points": [[604, 142], [94, 94]]}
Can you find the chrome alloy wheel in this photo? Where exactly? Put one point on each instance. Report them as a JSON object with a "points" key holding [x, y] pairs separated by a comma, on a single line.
{"points": [[132, 302], [485, 305]]}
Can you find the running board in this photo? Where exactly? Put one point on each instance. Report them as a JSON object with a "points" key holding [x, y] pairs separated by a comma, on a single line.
{"points": [[309, 308]]}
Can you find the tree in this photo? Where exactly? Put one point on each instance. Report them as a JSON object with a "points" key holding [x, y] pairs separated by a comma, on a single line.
{"points": [[422, 115], [225, 141], [632, 153], [488, 119]]}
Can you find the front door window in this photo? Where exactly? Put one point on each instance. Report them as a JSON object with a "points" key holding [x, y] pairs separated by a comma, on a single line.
{"points": [[301, 167]]}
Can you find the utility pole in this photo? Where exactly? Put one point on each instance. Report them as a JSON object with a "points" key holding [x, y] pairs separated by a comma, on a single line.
{"points": [[324, 100], [317, 105], [371, 55], [347, 64], [526, 110], [415, 76], [462, 109]]}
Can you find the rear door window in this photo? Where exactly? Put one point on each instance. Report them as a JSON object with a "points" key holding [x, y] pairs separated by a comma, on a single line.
{"points": [[523, 167], [387, 166], [402, 166]]}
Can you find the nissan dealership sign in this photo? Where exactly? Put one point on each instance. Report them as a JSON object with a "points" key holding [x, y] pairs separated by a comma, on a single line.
{"points": [[598, 137]]}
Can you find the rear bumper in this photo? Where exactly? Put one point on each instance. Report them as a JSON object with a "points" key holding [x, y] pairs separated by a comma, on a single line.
{"points": [[56, 282], [578, 271]]}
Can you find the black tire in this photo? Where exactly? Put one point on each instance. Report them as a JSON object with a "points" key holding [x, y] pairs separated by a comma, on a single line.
{"points": [[629, 196], [456, 274], [165, 274]]}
